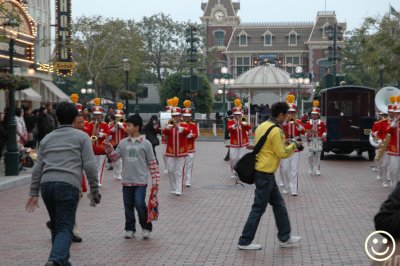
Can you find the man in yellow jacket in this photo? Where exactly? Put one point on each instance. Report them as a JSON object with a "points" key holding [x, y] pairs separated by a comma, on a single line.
{"points": [[267, 191]]}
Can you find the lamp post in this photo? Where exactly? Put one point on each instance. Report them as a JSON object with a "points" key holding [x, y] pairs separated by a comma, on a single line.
{"points": [[11, 157], [381, 68], [335, 33], [126, 67], [299, 79], [222, 81], [88, 89]]}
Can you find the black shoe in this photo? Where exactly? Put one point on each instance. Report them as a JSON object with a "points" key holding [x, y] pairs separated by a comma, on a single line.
{"points": [[109, 168], [76, 239], [50, 263], [226, 159]]}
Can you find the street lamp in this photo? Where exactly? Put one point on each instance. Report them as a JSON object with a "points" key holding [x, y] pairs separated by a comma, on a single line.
{"points": [[222, 81], [299, 79], [11, 157], [381, 68], [88, 89], [126, 66], [335, 33]]}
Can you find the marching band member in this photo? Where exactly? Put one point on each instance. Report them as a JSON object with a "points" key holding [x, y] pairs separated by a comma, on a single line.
{"points": [[378, 134], [292, 128], [393, 149], [238, 129], [316, 133], [176, 150], [164, 138], [118, 132], [191, 137], [98, 132]]}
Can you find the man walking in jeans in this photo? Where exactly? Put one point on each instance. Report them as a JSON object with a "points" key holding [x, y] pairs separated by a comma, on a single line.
{"points": [[267, 161], [62, 157]]}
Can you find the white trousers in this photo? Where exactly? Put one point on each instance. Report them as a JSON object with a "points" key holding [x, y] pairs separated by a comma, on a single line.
{"points": [[101, 162], [117, 169], [189, 167], [163, 150], [314, 159], [290, 172], [175, 167], [383, 166], [394, 169], [235, 154]]}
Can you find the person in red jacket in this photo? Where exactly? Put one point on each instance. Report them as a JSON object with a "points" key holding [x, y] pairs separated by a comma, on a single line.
{"points": [[98, 132], [117, 133], [293, 129], [393, 149], [191, 138], [316, 134], [238, 129], [176, 151]]}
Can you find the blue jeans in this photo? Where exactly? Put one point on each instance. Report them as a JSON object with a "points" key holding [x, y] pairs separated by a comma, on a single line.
{"points": [[135, 198], [61, 200], [266, 192]]}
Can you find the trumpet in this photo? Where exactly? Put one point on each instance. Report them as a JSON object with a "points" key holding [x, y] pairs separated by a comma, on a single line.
{"points": [[243, 119], [93, 137], [121, 120], [171, 122]]}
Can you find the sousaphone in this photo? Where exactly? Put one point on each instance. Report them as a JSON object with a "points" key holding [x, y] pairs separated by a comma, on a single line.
{"points": [[382, 98]]}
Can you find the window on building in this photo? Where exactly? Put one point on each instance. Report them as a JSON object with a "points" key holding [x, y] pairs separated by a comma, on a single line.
{"points": [[268, 39], [292, 62], [242, 65], [293, 38], [219, 37], [243, 40]]}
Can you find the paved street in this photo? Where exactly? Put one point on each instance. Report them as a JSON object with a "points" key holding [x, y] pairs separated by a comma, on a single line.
{"points": [[333, 213]]}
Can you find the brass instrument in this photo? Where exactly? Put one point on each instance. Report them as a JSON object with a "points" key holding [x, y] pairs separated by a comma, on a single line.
{"points": [[382, 148], [121, 120], [171, 122], [243, 119], [95, 131]]}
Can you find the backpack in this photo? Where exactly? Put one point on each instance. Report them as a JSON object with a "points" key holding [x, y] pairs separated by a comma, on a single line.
{"points": [[246, 165]]}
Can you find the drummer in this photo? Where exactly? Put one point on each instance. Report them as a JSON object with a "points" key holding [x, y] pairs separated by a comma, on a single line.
{"points": [[316, 133]]}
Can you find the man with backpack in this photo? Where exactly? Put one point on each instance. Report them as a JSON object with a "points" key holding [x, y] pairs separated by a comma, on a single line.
{"points": [[267, 191]]}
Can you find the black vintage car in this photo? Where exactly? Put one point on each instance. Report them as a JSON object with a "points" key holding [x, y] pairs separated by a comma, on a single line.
{"points": [[349, 112]]}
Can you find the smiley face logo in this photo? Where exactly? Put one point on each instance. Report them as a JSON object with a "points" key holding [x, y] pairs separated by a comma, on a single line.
{"points": [[380, 240]]}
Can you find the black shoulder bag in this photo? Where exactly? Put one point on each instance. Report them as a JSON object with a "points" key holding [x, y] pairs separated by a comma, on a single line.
{"points": [[246, 165]]}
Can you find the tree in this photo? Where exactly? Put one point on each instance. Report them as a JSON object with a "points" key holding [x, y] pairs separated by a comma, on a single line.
{"points": [[164, 44], [376, 42], [172, 86], [100, 44]]}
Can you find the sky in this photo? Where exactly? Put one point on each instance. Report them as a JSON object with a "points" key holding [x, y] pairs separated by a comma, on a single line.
{"points": [[350, 11]]}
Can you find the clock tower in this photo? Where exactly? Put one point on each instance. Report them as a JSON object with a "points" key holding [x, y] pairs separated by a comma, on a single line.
{"points": [[219, 19]]}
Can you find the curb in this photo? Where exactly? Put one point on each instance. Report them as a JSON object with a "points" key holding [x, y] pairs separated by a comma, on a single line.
{"points": [[9, 182]]}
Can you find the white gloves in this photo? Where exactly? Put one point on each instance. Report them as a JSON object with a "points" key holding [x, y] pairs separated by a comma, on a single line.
{"points": [[168, 127], [112, 129], [190, 135], [244, 123], [102, 135], [234, 126], [121, 126], [181, 129]]}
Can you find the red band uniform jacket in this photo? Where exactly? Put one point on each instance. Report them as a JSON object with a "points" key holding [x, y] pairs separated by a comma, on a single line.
{"points": [[238, 135]]}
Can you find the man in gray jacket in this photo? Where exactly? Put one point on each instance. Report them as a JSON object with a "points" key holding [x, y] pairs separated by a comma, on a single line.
{"points": [[62, 157]]}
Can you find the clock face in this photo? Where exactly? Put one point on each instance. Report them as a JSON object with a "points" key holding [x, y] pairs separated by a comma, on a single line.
{"points": [[219, 15]]}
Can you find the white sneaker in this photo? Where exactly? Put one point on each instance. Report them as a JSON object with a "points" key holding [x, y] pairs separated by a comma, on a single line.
{"points": [[289, 242], [311, 172], [118, 177], [233, 176], [294, 194], [146, 234], [385, 184], [378, 177], [188, 185], [129, 234], [250, 247], [317, 172], [165, 171], [281, 184], [284, 191], [173, 192], [178, 193]]}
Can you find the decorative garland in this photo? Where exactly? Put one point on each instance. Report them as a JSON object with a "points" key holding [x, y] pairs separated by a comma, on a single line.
{"points": [[8, 81]]}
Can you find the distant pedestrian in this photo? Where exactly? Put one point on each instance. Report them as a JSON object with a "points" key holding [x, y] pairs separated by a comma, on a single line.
{"points": [[138, 161], [63, 155], [151, 130], [44, 123], [267, 190]]}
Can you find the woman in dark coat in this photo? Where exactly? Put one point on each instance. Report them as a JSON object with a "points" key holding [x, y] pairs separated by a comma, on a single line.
{"points": [[151, 129]]}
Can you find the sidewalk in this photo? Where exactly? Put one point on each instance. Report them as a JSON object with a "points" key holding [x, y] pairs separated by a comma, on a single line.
{"points": [[333, 214], [8, 182]]}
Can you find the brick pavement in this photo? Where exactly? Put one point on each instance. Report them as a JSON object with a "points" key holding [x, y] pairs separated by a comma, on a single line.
{"points": [[333, 213]]}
